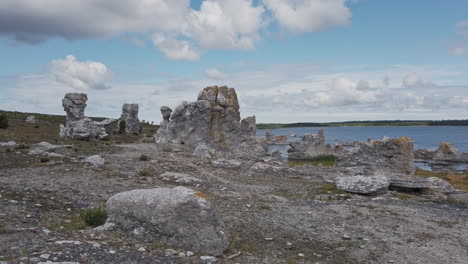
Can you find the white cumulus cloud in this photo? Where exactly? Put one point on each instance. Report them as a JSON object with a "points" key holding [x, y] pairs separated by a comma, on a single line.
{"points": [[182, 32], [215, 74], [175, 49], [84, 75], [309, 15]]}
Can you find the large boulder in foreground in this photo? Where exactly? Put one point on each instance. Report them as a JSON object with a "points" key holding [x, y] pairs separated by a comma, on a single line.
{"points": [[363, 184], [178, 217], [213, 121], [393, 155]]}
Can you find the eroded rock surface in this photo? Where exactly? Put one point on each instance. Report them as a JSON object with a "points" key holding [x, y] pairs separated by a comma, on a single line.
{"points": [[31, 119], [178, 217], [130, 116], [389, 154], [78, 126], [214, 121], [363, 184], [309, 146]]}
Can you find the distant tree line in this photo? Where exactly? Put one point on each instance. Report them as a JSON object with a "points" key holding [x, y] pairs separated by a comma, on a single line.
{"points": [[449, 123]]}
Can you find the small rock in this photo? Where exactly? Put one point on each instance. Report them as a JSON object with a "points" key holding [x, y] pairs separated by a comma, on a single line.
{"points": [[300, 255], [95, 160], [346, 237], [45, 256], [268, 238], [248, 205], [189, 253], [141, 249], [181, 254], [170, 252], [208, 258], [112, 251]]}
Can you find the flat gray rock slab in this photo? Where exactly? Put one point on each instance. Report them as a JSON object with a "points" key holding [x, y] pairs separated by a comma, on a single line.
{"points": [[363, 184], [181, 178]]}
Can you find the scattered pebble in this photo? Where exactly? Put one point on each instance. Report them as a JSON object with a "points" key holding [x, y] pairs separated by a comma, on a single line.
{"points": [[346, 237], [181, 254], [44, 256], [209, 258], [268, 238], [189, 253], [248, 205], [112, 251], [141, 249], [300, 255], [170, 252]]}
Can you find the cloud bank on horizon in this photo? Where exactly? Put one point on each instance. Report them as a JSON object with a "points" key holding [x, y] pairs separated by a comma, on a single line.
{"points": [[271, 51]]}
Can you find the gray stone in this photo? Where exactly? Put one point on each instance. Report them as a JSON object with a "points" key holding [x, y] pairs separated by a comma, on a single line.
{"points": [[178, 217], [204, 151], [31, 119], [10, 144], [214, 121], [166, 112], [44, 147], [363, 184], [181, 178], [447, 152], [109, 124], [74, 104], [83, 129], [78, 126], [393, 155], [95, 160], [273, 170], [440, 185], [130, 116], [226, 164], [409, 184], [309, 146]]}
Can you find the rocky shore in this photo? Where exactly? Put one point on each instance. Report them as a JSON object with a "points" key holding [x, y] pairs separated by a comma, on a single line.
{"points": [[202, 189]]}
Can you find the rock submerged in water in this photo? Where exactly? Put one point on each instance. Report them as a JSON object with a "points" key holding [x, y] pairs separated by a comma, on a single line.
{"points": [[212, 121], [178, 217], [363, 184]]}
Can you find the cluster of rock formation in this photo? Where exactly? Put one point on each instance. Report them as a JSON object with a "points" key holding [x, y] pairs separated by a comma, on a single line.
{"points": [[393, 155], [210, 124], [446, 152], [78, 126], [309, 146]]}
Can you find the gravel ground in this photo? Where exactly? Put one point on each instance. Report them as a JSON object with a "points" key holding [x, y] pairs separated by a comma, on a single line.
{"points": [[293, 217]]}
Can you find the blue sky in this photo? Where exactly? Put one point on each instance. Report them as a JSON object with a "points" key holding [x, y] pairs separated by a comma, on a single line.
{"points": [[289, 60]]}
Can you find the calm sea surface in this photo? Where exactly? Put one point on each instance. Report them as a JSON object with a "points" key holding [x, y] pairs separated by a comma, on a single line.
{"points": [[423, 137]]}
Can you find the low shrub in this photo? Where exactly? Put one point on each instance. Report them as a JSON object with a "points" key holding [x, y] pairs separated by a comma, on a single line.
{"points": [[122, 126], [143, 157], [44, 159], [94, 217], [3, 121]]}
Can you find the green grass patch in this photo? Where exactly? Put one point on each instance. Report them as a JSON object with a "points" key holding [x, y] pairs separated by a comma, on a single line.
{"points": [[143, 157], [458, 180], [321, 160], [94, 217]]}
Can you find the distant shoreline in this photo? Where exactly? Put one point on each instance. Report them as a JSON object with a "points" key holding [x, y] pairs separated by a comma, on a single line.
{"points": [[379, 123], [375, 123]]}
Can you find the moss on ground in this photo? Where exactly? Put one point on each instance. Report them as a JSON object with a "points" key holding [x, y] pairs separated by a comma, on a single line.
{"points": [[458, 180]]}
